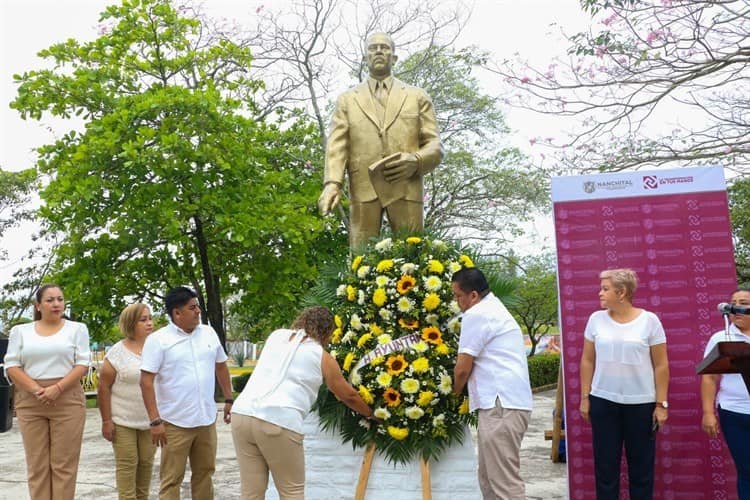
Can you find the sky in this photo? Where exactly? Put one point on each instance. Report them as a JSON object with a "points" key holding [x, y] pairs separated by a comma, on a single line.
{"points": [[502, 27]]}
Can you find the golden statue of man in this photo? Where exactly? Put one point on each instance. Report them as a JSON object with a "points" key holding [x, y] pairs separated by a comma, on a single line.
{"points": [[384, 134]]}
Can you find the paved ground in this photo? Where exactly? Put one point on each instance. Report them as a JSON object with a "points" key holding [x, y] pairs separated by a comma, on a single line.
{"points": [[544, 479]]}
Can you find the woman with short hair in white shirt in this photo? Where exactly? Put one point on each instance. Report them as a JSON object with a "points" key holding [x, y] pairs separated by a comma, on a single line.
{"points": [[267, 416], [125, 421], [624, 381], [732, 400], [46, 360]]}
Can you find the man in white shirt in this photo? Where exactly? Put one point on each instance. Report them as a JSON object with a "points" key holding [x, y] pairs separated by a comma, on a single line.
{"points": [[492, 360], [178, 367]]}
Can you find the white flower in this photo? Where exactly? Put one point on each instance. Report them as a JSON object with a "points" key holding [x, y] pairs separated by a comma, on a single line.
{"points": [[348, 337], [404, 305], [414, 412], [360, 297], [384, 338], [381, 281], [362, 271], [409, 386], [439, 244], [385, 314], [454, 266], [382, 414], [454, 325], [408, 268], [432, 283], [356, 378], [446, 384], [439, 421], [453, 306], [341, 290], [432, 319], [364, 423], [420, 346], [355, 322], [333, 353], [384, 245]]}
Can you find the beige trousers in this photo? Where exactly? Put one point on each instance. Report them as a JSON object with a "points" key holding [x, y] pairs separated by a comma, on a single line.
{"points": [[499, 435], [52, 436], [262, 446], [198, 444], [134, 460]]}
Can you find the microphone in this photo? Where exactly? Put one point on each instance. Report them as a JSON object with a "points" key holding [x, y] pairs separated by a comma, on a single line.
{"points": [[725, 308]]}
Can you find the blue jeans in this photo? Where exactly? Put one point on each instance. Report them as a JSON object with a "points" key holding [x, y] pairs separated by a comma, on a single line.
{"points": [[736, 428], [615, 424]]}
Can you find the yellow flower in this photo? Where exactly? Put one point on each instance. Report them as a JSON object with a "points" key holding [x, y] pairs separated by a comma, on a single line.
{"points": [[466, 261], [433, 284], [363, 340], [420, 365], [384, 380], [366, 395], [392, 397], [396, 365], [432, 335], [409, 324], [351, 293], [413, 240], [337, 321], [375, 330], [385, 265], [379, 297], [348, 360], [384, 338], [336, 336], [409, 385], [420, 346], [464, 408], [454, 267], [435, 266], [398, 433], [425, 398], [431, 301], [405, 284], [381, 281], [446, 384], [443, 349], [377, 361], [356, 262]]}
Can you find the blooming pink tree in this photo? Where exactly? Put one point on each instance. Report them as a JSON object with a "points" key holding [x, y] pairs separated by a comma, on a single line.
{"points": [[651, 83]]}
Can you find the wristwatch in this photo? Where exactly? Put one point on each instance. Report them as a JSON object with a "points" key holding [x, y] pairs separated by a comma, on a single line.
{"points": [[663, 404], [155, 422]]}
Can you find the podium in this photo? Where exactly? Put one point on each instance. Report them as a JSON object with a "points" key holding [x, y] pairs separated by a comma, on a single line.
{"points": [[728, 357]]}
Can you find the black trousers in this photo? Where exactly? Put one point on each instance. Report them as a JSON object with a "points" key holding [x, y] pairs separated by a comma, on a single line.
{"points": [[615, 424]]}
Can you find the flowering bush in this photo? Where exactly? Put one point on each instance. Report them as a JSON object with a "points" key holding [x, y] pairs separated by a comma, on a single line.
{"points": [[396, 338]]}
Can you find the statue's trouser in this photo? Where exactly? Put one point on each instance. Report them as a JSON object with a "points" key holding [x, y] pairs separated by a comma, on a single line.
{"points": [[366, 219]]}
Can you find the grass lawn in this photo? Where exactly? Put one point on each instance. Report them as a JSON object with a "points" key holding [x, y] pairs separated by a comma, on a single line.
{"points": [[239, 370]]}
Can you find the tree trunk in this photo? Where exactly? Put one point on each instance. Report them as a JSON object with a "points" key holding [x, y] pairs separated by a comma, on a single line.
{"points": [[211, 284]]}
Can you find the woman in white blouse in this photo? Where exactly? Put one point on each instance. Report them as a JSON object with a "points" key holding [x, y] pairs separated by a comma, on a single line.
{"points": [[124, 419], [46, 360], [624, 379]]}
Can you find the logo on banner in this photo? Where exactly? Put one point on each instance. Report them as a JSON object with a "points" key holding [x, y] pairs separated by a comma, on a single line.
{"points": [[650, 182], [589, 186]]}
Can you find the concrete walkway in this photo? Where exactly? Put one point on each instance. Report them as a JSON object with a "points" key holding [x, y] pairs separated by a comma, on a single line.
{"points": [[96, 476]]}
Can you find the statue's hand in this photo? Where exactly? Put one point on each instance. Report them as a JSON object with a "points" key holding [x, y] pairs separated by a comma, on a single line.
{"points": [[329, 198], [402, 168]]}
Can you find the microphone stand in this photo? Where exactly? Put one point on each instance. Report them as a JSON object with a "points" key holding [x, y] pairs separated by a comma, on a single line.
{"points": [[727, 336]]}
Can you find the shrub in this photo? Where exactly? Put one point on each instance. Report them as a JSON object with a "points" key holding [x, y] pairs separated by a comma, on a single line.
{"points": [[239, 382], [543, 369]]}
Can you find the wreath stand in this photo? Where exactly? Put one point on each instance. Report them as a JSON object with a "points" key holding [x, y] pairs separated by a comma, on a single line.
{"points": [[364, 475]]}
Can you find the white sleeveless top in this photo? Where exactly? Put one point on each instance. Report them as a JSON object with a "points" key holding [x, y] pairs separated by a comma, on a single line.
{"points": [[128, 408], [285, 382]]}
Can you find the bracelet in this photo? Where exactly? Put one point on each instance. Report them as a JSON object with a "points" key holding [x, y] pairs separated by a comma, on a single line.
{"points": [[155, 422], [338, 184], [229, 401], [59, 387]]}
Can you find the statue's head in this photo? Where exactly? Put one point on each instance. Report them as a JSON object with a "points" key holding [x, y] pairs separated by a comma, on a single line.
{"points": [[381, 55]]}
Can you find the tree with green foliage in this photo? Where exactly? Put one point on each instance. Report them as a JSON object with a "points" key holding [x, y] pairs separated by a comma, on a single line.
{"points": [[173, 179], [535, 305], [739, 210]]}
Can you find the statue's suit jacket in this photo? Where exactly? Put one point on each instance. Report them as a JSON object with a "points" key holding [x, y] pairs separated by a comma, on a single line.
{"points": [[357, 138]]}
